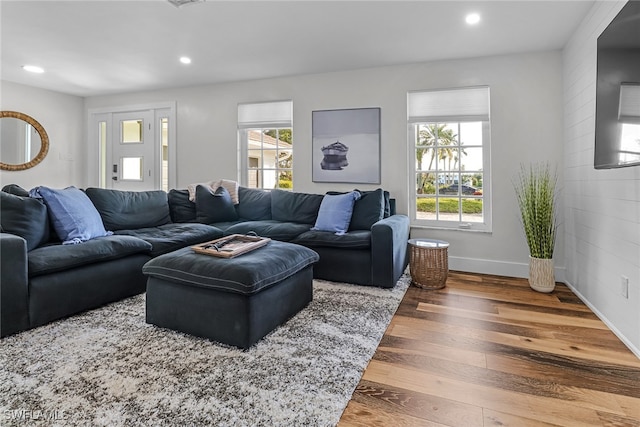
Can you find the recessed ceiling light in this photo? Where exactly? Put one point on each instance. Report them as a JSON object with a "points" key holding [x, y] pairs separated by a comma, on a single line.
{"points": [[472, 18], [185, 60], [33, 69]]}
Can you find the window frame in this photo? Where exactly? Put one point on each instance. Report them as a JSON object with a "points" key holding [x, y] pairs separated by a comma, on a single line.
{"points": [[261, 117], [412, 133]]}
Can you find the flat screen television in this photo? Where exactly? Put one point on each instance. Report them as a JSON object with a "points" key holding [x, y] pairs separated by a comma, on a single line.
{"points": [[617, 135]]}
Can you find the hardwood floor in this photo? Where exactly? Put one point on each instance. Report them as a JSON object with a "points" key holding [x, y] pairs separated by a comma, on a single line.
{"points": [[489, 351]]}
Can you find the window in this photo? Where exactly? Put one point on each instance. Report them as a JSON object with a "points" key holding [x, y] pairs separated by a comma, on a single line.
{"points": [[449, 140], [266, 146]]}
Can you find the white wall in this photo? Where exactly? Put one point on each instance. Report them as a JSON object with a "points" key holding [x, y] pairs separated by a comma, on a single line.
{"points": [[602, 209], [61, 116], [526, 108]]}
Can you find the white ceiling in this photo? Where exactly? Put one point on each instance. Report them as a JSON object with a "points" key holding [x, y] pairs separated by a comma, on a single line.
{"points": [[95, 47]]}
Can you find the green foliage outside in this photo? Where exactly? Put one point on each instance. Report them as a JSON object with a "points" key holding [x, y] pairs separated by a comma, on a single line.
{"points": [[285, 135], [285, 183], [469, 206]]}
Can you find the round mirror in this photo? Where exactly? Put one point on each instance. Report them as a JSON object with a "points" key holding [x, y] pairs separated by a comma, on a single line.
{"points": [[23, 141]]}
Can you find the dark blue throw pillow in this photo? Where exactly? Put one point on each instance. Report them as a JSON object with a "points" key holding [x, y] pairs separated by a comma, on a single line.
{"points": [[212, 207], [181, 208], [15, 189], [368, 210], [24, 217]]}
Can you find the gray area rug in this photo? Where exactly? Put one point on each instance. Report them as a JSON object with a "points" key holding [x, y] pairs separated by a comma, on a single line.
{"points": [[107, 367]]}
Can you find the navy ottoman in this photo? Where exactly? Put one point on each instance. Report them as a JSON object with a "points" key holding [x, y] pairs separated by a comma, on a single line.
{"points": [[235, 301]]}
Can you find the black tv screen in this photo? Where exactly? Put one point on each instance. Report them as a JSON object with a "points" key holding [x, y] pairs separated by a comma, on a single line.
{"points": [[618, 91]]}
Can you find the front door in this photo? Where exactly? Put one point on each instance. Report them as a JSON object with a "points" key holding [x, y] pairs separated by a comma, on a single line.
{"points": [[134, 159]]}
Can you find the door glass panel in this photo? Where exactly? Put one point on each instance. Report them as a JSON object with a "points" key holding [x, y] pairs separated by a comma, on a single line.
{"points": [[164, 135], [131, 131], [102, 144], [132, 168]]}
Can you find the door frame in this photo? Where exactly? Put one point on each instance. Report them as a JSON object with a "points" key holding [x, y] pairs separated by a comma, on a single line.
{"points": [[105, 114]]}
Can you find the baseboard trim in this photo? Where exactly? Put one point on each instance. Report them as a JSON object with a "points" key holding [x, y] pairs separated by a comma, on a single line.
{"points": [[635, 350], [518, 269], [498, 268]]}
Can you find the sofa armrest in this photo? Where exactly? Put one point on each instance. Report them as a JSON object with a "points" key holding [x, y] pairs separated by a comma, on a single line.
{"points": [[389, 239], [14, 291]]}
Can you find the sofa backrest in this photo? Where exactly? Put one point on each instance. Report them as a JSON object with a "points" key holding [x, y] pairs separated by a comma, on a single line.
{"points": [[129, 210], [295, 207], [254, 204]]}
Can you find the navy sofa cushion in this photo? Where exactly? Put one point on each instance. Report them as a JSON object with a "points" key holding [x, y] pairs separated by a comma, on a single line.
{"points": [[24, 217], [278, 230], [169, 237], [358, 239], [55, 258], [368, 210], [214, 206], [126, 210], [181, 208], [247, 274], [254, 204], [289, 206]]}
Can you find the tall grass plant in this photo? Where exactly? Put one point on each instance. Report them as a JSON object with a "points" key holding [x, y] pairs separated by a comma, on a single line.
{"points": [[535, 188]]}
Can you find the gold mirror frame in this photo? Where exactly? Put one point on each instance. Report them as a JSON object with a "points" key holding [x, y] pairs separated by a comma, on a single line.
{"points": [[44, 139]]}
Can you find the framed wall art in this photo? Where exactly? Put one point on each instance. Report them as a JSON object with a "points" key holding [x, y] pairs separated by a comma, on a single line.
{"points": [[346, 146]]}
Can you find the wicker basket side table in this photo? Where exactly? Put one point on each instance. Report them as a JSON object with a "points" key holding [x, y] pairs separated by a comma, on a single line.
{"points": [[428, 263]]}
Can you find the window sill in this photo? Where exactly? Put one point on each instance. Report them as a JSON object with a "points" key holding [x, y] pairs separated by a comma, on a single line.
{"points": [[443, 228]]}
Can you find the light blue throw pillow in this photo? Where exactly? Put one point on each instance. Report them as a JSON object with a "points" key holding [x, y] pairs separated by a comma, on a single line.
{"points": [[335, 212], [74, 218]]}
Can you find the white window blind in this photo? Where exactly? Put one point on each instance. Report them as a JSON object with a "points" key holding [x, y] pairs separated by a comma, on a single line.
{"points": [[265, 114], [629, 109], [464, 104]]}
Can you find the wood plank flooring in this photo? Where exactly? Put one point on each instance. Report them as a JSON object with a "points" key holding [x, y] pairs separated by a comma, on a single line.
{"points": [[489, 351]]}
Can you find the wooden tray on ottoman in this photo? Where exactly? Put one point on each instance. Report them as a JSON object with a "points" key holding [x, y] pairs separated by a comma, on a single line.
{"points": [[231, 246]]}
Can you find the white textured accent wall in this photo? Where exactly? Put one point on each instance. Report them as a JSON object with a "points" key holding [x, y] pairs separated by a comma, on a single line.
{"points": [[602, 208]]}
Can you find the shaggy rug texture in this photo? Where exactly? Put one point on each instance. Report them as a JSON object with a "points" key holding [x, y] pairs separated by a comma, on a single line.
{"points": [[107, 367]]}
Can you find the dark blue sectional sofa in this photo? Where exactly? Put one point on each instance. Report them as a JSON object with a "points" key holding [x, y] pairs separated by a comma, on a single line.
{"points": [[42, 280]]}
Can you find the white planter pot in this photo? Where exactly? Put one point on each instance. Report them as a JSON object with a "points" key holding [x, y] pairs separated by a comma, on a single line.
{"points": [[541, 275]]}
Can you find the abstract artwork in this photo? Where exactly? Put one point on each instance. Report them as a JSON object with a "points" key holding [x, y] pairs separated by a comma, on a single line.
{"points": [[346, 145]]}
